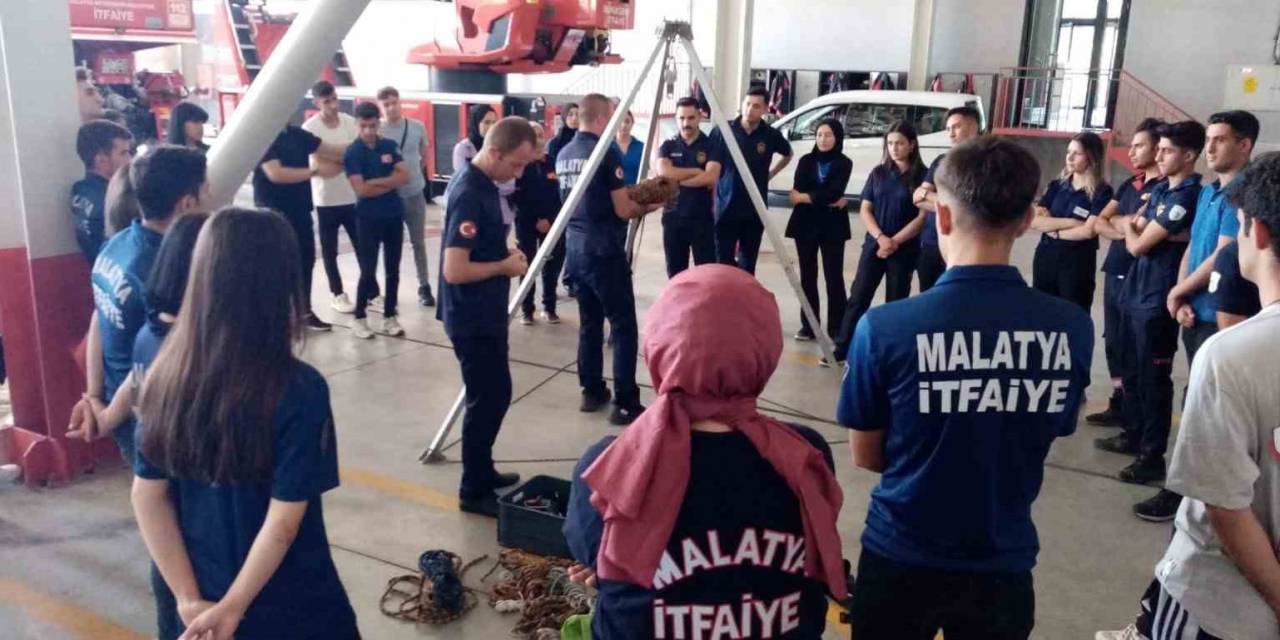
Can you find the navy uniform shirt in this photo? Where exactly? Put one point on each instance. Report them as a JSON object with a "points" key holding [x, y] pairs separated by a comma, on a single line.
{"points": [[88, 207], [738, 538], [971, 382], [594, 227], [292, 148], [1064, 201], [1229, 291], [929, 235], [537, 196], [473, 221], [758, 148], [1129, 197], [219, 522], [372, 163], [889, 191], [694, 203], [1154, 274]]}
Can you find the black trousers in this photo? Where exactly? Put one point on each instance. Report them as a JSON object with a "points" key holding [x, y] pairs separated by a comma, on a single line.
{"points": [[896, 271], [487, 375], [331, 219], [1113, 319], [1067, 272], [681, 237], [1148, 382], [738, 240], [604, 291], [1195, 337], [894, 601], [832, 252], [305, 232], [389, 236], [930, 266], [529, 241]]}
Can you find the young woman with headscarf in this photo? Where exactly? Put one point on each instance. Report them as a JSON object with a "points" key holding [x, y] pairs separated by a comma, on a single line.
{"points": [[820, 223], [705, 513], [480, 119]]}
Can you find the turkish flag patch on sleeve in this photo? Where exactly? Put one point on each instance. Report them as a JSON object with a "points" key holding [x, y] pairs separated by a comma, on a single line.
{"points": [[467, 229]]}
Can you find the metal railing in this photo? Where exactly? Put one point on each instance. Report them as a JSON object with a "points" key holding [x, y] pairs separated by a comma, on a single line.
{"points": [[1135, 101]]}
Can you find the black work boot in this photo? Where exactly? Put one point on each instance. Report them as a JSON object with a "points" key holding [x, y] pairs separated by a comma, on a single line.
{"points": [[1113, 415], [1119, 443], [1145, 470]]}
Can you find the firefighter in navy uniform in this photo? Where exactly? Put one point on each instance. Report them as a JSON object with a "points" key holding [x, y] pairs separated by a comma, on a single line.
{"points": [[475, 282], [690, 158]]}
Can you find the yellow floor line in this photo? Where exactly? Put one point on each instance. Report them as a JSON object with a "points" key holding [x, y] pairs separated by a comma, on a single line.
{"points": [[77, 621], [833, 620], [402, 489]]}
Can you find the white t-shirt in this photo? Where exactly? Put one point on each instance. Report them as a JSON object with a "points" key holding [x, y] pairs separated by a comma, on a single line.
{"points": [[1227, 455], [335, 191]]}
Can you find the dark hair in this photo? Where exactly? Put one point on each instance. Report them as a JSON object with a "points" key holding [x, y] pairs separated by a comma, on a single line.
{"points": [[388, 92], [509, 134], [1187, 135], [182, 114], [964, 111], [121, 202], [991, 179], [1243, 123], [915, 173], [1095, 150], [687, 102], [98, 136], [1151, 127], [759, 92], [168, 279], [1256, 192], [209, 402], [172, 173], [368, 111], [322, 89]]}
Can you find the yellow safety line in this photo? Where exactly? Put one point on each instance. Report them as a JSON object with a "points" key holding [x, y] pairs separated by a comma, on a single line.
{"points": [[403, 489], [77, 621]]}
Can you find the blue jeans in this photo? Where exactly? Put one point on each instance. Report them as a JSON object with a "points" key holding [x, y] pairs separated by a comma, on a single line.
{"points": [[604, 291]]}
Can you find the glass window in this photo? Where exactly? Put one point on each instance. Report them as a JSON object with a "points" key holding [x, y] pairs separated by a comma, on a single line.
{"points": [[1080, 9], [870, 120], [929, 120], [805, 125]]}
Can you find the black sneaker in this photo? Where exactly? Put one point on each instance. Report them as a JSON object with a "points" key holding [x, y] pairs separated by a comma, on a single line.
{"points": [[485, 505], [1112, 416], [592, 402], [424, 296], [622, 416], [1144, 470], [1119, 443], [571, 289], [526, 319], [551, 317], [504, 480], [314, 323], [826, 362], [804, 335], [1161, 507]]}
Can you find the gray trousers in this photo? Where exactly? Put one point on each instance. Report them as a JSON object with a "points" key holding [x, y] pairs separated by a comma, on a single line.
{"points": [[415, 221]]}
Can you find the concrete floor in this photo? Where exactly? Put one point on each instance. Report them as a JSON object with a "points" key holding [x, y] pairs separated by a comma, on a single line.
{"points": [[72, 564]]}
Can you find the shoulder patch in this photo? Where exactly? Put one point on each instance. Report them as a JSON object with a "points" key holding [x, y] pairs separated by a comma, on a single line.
{"points": [[618, 172], [760, 148], [1215, 279], [467, 229], [1177, 212]]}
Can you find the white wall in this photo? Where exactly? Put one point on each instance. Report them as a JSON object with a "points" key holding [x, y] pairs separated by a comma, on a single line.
{"points": [[834, 35], [975, 36]]}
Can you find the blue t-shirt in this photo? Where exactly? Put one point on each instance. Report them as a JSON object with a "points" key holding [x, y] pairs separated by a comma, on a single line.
{"points": [[1064, 201], [1129, 199], [971, 382], [594, 227], [889, 191], [119, 277], [630, 160], [929, 235], [1154, 274], [88, 207], [304, 597], [473, 221], [1215, 218], [371, 163], [693, 206], [758, 148]]}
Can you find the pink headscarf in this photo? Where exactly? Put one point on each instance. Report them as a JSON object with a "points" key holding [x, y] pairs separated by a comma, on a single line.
{"points": [[712, 340]]}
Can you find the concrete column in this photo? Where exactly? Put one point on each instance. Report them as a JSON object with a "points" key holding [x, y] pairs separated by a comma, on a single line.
{"points": [[45, 298], [921, 46], [732, 57]]}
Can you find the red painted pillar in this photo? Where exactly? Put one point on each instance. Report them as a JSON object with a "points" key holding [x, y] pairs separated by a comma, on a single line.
{"points": [[45, 299]]}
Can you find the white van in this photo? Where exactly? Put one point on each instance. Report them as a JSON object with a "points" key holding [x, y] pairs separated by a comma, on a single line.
{"points": [[866, 116]]}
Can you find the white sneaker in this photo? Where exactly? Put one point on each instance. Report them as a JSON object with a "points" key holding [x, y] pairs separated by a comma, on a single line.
{"points": [[1128, 633], [342, 304], [390, 327], [376, 305], [360, 329]]}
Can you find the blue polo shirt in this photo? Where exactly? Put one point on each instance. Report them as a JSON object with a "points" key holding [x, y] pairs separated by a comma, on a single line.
{"points": [[594, 227], [1215, 218], [1065, 201], [304, 597], [1154, 274], [694, 204], [971, 382], [929, 235], [1129, 199], [371, 163], [758, 148], [889, 191], [88, 198], [630, 160], [119, 278], [473, 221]]}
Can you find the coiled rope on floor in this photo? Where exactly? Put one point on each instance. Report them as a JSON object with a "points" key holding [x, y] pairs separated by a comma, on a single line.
{"points": [[435, 596], [540, 589]]}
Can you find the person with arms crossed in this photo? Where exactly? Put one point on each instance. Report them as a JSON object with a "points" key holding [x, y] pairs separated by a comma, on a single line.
{"points": [[688, 226], [537, 201], [410, 136], [963, 123]]}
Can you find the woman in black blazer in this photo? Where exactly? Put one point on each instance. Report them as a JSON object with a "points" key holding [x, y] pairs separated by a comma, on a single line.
{"points": [[820, 223]]}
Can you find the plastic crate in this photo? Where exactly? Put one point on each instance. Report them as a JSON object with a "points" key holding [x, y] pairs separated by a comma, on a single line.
{"points": [[520, 527]]}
